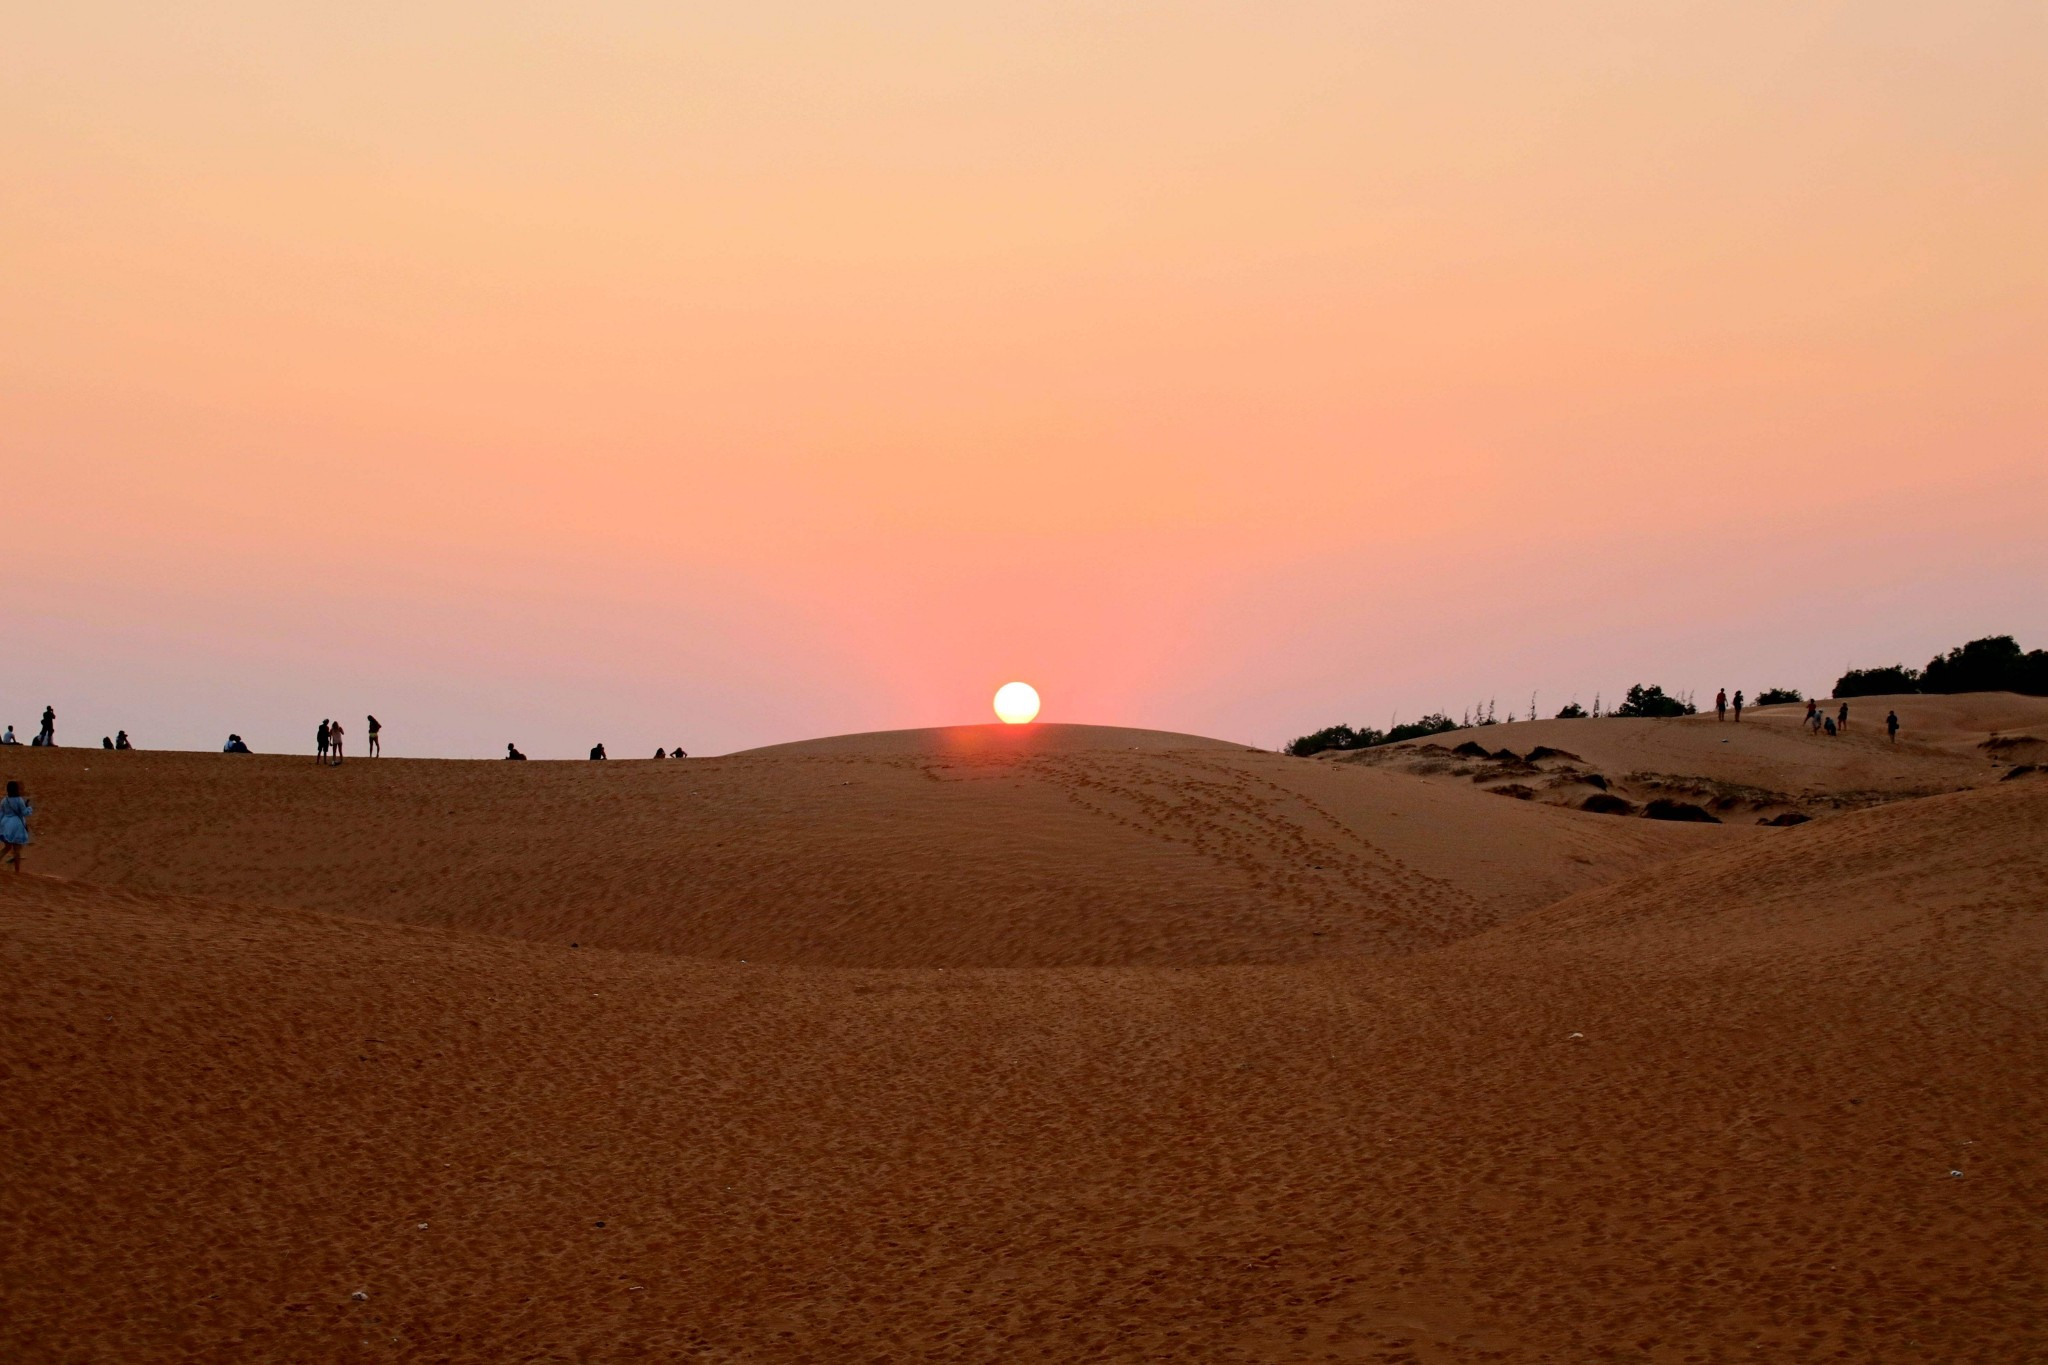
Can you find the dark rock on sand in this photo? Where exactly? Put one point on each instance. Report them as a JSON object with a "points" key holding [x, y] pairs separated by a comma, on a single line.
{"points": [[1605, 804]]}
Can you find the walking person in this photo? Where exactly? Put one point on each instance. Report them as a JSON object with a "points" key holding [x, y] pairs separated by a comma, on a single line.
{"points": [[320, 738], [372, 728], [14, 814], [1721, 704], [48, 738], [334, 742], [1891, 725], [1738, 706]]}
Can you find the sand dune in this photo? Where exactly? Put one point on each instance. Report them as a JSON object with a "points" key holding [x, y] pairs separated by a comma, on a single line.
{"points": [[1766, 765], [1703, 1106], [1006, 857], [988, 741]]}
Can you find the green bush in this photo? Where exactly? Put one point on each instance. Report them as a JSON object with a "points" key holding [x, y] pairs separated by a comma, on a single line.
{"points": [[1415, 729], [1992, 664], [1650, 701], [1877, 682], [1778, 696], [1343, 737], [1572, 711]]}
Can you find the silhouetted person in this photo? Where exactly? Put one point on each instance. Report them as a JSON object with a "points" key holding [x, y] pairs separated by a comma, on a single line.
{"points": [[1738, 706], [1891, 725], [372, 727], [48, 738], [1827, 723], [1721, 704], [234, 746], [106, 741], [661, 753], [1842, 717], [320, 738], [9, 738], [121, 740], [512, 751], [334, 742], [14, 813], [597, 752], [679, 752]]}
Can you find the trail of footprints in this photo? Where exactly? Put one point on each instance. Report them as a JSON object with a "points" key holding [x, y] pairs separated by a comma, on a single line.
{"points": [[1289, 850]]}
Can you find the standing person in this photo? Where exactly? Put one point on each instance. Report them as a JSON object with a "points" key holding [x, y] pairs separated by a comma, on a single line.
{"points": [[334, 742], [1738, 706], [1842, 717], [372, 728], [14, 814], [1891, 725], [320, 738], [1721, 704], [48, 738]]}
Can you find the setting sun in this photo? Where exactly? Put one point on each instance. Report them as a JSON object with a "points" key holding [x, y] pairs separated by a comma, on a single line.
{"points": [[1016, 703]]}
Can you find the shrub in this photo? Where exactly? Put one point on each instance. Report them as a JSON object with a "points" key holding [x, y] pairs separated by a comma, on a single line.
{"points": [[1877, 682], [1572, 711], [1416, 729], [1778, 696], [1992, 664], [1335, 737], [1651, 701], [1343, 737]]}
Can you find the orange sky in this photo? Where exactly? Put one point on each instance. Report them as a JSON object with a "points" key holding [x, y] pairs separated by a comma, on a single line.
{"points": [[563, 372]]}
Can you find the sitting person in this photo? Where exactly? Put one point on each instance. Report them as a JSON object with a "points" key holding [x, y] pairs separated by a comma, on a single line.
{"points": [[512, 751], [235, 746], [9, 738], [661, 753], [597, 752], [121, 740], [106, 741], [678, 752]]}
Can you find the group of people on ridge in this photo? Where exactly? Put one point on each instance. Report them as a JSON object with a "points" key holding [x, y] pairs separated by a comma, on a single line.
{"points": [[1816, 720], [327, 740], [46, 738]]}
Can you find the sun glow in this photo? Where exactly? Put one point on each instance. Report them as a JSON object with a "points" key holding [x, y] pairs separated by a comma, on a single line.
{"points": [[1016, 703]]}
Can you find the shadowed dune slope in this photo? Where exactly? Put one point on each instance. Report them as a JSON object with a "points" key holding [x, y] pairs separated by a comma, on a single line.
{"points": [[1708, 1114], [975, 858]]}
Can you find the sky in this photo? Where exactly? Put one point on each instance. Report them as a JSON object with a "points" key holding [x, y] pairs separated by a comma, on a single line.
{"points": [[726, 374]]}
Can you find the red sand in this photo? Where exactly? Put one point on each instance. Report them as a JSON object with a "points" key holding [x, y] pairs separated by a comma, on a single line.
{"points": [[1051, 1064]]}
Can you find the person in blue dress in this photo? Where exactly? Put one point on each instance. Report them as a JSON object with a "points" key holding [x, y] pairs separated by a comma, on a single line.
{"points": [[14, 814]]}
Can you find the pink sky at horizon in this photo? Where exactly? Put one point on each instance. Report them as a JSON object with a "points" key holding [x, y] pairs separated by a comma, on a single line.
{"points": [[560, 373]]}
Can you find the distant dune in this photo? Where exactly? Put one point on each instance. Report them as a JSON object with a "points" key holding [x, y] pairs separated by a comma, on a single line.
{"points": [[1052, 1052], [1767, 765], [1036, 738]]}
